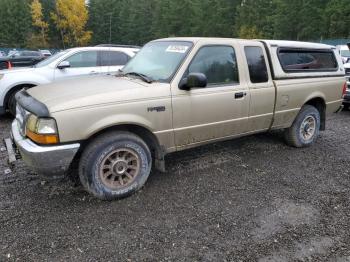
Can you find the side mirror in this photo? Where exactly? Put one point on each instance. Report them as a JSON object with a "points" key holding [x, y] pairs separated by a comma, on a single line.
{"points": [[193, 80], [63, 65]]}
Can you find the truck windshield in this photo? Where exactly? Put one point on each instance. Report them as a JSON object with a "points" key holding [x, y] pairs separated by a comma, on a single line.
{"points": [[158, 60]]}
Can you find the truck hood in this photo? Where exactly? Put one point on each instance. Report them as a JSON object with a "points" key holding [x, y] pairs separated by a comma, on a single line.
{"points": [[90, 91]]}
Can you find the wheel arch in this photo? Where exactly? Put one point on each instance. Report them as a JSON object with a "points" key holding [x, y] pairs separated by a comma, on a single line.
{"points": [[320, 104], [13, 89], [144, 133]]}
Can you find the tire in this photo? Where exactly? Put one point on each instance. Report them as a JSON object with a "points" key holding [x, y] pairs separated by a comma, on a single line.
{"points": [[11, 103], [115, 165], [305, 129], [3, 65]]}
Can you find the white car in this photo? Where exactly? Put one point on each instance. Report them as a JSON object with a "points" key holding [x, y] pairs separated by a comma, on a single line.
{"points": [[66, 64], [344, 52]]}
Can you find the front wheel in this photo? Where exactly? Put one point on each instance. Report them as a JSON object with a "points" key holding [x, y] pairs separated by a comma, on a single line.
{"points": [[115, 165], [11, 103], [305, 129]]}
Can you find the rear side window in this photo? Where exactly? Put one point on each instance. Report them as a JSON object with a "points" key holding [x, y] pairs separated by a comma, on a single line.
{"points": [[83, 59], [297, 60], [113, 58], [218, 63], [256, 64]]}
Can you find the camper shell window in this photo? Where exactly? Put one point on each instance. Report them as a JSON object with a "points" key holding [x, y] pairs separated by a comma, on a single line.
{"points": [[307, 60]]}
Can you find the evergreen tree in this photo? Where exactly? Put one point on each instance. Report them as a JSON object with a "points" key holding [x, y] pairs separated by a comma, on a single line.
{"points": [[138, 21], [255, 18], [15, 22], [337, 17]]}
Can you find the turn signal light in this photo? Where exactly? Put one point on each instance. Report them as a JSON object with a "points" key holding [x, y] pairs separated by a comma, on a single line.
{"points": [[42, 139]]}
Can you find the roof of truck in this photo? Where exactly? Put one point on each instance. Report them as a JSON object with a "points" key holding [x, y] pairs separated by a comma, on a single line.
{"points": [[280, 43], [283, 43]]}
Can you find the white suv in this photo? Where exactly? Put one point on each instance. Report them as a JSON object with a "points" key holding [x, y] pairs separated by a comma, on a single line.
{"points": [[66, 64]]}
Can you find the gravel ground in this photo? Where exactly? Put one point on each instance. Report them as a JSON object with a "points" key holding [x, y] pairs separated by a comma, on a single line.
{"points": [[250, 199]]}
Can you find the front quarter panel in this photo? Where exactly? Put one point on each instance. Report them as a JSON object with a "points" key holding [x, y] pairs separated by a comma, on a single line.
{"points": [[153, 113]]}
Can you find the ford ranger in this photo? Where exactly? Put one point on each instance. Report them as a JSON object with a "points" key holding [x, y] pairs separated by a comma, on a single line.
{"points": [[177, 93]]}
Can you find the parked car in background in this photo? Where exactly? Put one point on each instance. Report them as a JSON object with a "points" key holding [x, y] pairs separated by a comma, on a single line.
{"points": [[66, 64], [11, 52], [46, 53], [347, 95], [344, 52], [22, 59], [176, 94]]}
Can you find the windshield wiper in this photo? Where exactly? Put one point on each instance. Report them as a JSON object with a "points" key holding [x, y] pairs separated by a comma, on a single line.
{"points": [[145, 78]]}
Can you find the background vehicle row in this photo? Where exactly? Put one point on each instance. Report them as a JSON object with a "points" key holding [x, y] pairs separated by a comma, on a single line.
{"points": [[66, 64]]}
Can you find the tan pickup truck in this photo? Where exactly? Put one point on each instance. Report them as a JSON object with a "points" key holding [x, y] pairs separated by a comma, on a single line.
{"points": [[177, 93]]}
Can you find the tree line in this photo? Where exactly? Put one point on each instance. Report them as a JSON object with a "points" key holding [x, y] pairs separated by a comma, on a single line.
{"points": [[67, 23]]}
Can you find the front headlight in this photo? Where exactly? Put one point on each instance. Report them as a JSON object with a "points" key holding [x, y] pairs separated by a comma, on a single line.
{"points": [[42, 130]]}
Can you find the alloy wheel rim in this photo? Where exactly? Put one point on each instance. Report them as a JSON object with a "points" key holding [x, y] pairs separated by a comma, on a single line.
{"points": [[119, 168]]}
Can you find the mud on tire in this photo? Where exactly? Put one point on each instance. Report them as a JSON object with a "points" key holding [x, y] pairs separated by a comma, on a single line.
{"points": [[305, 129], [115, 165]]}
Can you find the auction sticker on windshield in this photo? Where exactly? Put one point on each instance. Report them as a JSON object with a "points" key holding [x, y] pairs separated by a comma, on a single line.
{"points": [[177, 49]]}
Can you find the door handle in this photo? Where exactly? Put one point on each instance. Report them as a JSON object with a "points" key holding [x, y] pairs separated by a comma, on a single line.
{"points": [[93, 73], [240, 95]]}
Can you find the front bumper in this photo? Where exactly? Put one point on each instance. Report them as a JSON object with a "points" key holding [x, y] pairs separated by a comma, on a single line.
{"points": [[50, 161]]}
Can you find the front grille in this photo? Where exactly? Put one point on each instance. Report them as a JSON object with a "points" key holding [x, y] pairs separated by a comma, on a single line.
{"points": [[21, 117], [347, 71]]}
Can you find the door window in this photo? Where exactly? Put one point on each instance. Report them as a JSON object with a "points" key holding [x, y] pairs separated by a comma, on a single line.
{"points": [[218, 63], [256, 64], [83, 59], [113, 58]]}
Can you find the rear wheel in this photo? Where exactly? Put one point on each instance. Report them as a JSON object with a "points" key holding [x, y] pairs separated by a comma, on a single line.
{"points": [[305, 129], [115, 165]]}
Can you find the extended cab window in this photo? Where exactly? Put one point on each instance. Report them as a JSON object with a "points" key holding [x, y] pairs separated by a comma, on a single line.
{"points": [[218, 63], [113, 58], [256, 64], [83, 59], [296, 60]]}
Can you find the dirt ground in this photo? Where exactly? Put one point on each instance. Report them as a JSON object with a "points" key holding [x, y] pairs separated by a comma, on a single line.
{"points": [[250, 199]]}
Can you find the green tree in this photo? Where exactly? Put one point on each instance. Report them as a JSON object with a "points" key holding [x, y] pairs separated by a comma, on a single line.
{"points": [[255, 17], [15, 22], [299, 19], [337, 17]]}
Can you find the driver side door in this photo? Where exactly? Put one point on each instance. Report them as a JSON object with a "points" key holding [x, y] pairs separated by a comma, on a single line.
{"points": [[219, 110], [82, 63]]}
